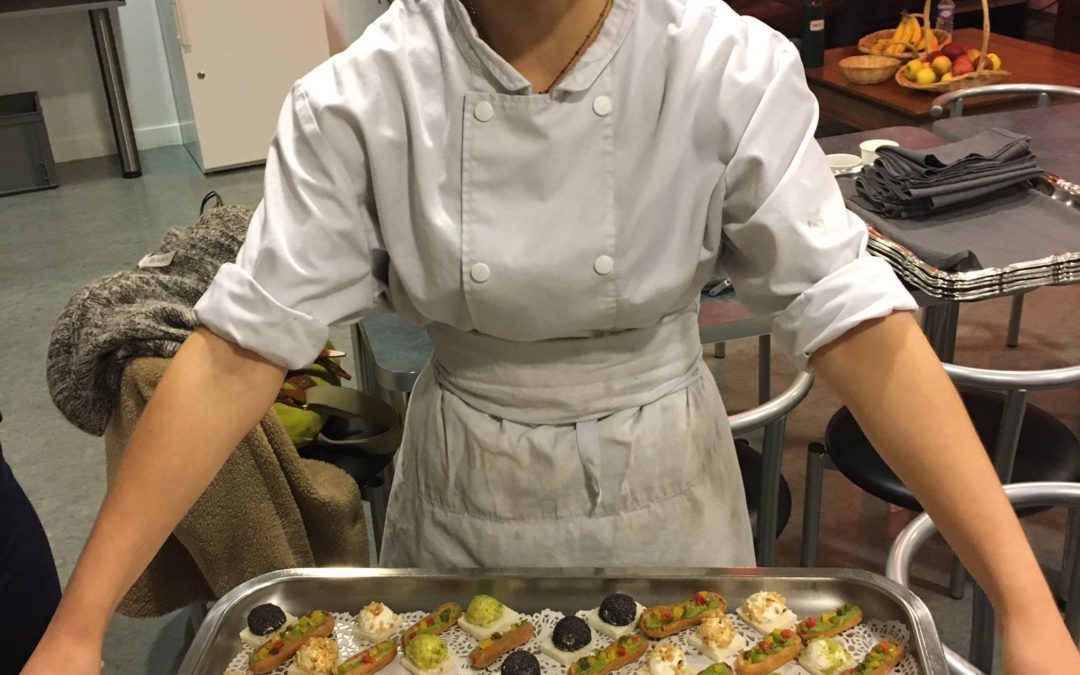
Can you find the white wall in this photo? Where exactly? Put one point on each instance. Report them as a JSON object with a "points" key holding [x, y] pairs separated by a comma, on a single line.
{"points": [[55, 56]]}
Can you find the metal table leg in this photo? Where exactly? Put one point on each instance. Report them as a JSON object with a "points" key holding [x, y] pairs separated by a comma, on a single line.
{"points": [[764, 369], [1016, 312], [982, 631], [768, 512], [115, 94], [939, 324], [816, 462]]}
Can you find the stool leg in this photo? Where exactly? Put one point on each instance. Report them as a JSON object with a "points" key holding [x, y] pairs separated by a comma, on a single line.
{"points": [[982, 631], [768, 512], [957, 579], [1016, 312], [815, 476], [1071, 575], [720, 349], [764, 369]]}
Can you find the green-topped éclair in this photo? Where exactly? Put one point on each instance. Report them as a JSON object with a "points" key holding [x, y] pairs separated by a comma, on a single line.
{"points": [[717, 669], [880, 660], [830, 623], [438, 622], [368, 661], [622, 652], [771, 653], [664, 620], [281, 646]]}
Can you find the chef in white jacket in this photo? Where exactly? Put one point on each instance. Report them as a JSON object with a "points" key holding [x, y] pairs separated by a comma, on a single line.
{"points": [[546, 185]]}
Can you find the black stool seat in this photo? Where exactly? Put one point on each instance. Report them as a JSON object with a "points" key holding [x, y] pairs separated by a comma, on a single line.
{"points": [[1047, 451], [750, 464]]}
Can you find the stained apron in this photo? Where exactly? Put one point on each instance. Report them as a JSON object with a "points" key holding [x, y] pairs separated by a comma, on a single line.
{"points": [[604, 451]]}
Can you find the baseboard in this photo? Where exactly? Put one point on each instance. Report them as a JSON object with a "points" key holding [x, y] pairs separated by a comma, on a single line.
{"points": [[85, 147]]}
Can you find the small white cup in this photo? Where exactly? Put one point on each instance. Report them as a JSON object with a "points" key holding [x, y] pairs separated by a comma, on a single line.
{"points": [[843, 163], [868, 149]]}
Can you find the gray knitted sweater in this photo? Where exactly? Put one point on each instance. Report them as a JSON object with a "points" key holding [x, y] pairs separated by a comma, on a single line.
{"points": [[145, 311]]}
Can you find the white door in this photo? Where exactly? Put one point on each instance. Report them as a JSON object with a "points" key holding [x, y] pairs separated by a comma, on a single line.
{"points": [[240, 59]]}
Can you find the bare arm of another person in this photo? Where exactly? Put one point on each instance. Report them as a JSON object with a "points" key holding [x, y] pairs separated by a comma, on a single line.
{"points": [[211, 395], [891, 380]]}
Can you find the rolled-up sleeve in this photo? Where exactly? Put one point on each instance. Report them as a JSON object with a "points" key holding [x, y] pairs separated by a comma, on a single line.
{"points": [[306, 261], [793, 250]]}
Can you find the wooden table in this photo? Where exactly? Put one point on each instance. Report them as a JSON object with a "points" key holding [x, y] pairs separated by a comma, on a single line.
{"points": [[112, 77], [888, 104]]}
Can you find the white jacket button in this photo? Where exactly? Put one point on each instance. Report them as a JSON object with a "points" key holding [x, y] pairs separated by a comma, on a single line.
{"points": [[480, 273], [602, 106], [483, 111], [603, 265]]}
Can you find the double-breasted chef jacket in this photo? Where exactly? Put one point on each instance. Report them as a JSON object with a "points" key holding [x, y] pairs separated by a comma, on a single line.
{"points": [[555, 246]]}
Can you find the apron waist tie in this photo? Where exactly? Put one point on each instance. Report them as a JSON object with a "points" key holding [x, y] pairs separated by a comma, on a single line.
{"points": [[571, 380]]}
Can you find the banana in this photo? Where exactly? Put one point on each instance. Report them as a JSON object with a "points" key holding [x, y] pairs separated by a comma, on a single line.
{"points": [[899, 32], [916, 30]]}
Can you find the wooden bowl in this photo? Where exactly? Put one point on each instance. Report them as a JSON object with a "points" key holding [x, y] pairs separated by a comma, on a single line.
{"points": [[869, 69], [867, 42], [976, 79]]}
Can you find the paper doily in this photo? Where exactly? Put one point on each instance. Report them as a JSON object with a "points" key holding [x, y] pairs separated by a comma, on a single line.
{"points": [[858, 641]]}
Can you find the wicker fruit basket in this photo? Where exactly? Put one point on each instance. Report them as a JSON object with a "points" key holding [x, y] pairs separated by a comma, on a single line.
{"points": [[983, 74], [911, 51], [869, 69]]}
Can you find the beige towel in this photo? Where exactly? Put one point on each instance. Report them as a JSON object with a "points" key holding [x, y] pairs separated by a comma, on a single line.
{"points": [[267, 509]]}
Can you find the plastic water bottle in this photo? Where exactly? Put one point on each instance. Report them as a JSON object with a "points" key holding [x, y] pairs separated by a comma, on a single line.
{"points": [[945, 11]]}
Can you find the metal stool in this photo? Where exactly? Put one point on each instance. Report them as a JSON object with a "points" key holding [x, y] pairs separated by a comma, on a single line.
{"points": [[1022, 495], [1007, 426], [772, 417], [955, 101]]}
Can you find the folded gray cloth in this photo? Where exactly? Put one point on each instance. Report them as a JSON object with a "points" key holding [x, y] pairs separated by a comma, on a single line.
{"points": [[907, 183]]}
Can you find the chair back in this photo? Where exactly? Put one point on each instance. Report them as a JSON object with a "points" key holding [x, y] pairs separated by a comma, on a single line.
{"points": [[1016, 384], [955, 99], [772, 416], [918, 531]]}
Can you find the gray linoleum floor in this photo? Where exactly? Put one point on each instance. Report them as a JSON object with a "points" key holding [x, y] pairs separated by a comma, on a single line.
{"points": [[96, 223]]}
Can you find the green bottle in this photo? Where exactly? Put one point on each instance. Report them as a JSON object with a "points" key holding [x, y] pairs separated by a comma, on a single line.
{"points": [[813, 34]]}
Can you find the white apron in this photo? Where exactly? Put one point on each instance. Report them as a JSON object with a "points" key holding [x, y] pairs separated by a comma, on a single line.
{"points": [[604, 451]]}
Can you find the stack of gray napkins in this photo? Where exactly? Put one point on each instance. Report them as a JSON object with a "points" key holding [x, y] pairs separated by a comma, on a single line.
{"points": [[906, 183]]}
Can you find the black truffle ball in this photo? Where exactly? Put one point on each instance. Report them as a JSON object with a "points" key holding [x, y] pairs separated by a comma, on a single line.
{"points": [[520, 663], [265, 619], [618, 609], [571, 634]]}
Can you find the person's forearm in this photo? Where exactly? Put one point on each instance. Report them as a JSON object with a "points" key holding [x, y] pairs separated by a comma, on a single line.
{"points": [[894, 385], [211, 395]]}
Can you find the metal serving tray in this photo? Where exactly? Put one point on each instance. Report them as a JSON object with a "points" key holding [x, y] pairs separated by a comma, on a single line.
{"points": [[808, 591]]}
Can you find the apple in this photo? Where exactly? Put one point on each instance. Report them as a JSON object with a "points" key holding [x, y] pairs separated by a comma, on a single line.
{"points": [[934, 55], [954, 50], [973, 56], [913, 68], [962, 67], [941, 65]]}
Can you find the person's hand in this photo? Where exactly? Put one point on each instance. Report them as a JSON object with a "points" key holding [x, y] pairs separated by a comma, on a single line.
{"points": [[1038, 645], [57, 653]]}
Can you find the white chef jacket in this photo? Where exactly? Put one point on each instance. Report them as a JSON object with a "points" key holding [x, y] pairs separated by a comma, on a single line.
{"points": [[417, 172]]}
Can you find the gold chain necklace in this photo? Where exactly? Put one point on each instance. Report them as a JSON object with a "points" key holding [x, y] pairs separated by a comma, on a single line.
{"points": [[471, 9]]}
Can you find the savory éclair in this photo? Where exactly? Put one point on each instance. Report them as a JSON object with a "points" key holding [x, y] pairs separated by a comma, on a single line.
{"points": [[622, 652], [879, 660], [281, 646], [830, 624], [771, 653], [491, 648], [666, 620], [438, 622]]}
